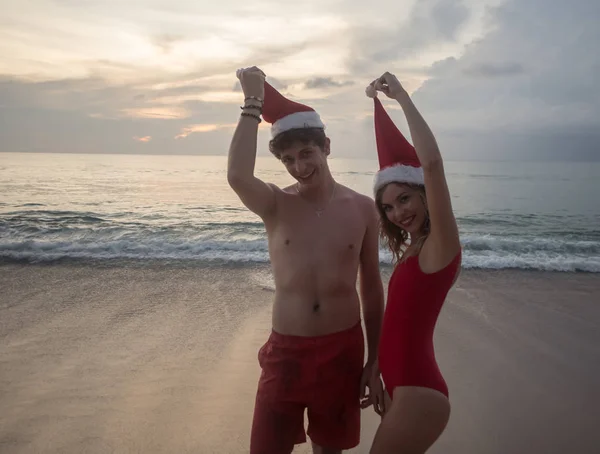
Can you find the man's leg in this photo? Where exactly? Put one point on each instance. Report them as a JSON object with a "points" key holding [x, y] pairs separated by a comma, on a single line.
{"points": [[278, 422], [334, 425], [276, 427], [334, 411], [321, 450]]}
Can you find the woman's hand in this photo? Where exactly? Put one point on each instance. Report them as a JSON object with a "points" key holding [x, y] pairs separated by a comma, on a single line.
{"points": [[389, 85]]}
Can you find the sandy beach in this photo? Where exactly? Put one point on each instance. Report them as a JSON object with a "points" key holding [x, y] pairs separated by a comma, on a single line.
{"points": [[162, 359]]}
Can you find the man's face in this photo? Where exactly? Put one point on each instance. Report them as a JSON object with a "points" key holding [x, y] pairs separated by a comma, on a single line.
{"points": [[306, 162]]}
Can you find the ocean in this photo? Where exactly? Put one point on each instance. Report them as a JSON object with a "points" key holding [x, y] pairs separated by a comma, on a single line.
{"points": [[179, 209], [136, 293]]}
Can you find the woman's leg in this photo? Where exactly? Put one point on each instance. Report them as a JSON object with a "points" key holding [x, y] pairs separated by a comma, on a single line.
{"points": [[413, 422]]}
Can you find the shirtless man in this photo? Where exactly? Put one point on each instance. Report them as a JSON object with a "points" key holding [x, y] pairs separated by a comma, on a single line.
{"points": [[321, 235]]}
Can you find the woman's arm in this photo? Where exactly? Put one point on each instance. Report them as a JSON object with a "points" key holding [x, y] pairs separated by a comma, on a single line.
{"points": [[443, 242]]}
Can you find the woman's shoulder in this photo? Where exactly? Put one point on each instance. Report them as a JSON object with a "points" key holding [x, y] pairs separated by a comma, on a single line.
{"points": [[434, 259]]}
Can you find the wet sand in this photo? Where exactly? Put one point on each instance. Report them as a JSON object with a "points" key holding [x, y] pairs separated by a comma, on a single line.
{"points": [[162, 359]]}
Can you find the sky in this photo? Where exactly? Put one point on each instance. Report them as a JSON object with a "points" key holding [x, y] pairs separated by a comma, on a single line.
{"points": [[495, 79]]}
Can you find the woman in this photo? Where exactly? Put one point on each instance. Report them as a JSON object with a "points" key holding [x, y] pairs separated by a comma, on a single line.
{"points": [[418, 224]]}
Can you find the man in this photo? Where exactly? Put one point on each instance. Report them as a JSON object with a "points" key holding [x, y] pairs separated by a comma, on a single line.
{"points": [[320, 235]]}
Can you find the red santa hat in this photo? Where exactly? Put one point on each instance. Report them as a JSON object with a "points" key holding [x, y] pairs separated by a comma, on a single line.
{"points": [[284, 114], [398, 161]]}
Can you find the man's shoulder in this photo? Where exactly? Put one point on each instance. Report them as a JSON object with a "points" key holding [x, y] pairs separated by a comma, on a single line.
{"points": [[366, 209], [282, 190], [364, 202], [356, 196], [274, 187]]}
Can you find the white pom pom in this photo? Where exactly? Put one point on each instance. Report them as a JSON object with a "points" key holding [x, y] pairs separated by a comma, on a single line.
{"points": [[371, 92]]}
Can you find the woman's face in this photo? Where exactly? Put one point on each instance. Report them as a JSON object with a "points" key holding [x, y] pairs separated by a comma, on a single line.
{"points": [[404, 206]]}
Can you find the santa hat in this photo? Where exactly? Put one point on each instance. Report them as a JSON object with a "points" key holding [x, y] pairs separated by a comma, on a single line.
{"points": [[284, 114], [398, 161]]}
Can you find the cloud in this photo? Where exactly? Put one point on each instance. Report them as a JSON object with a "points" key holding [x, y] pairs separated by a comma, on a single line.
{"points": [[164, 113], [556, 87], [140, 40], [166, 42], [325, 82], [82, 116], [491, 76], [186, 131], [495, 70], [144, 139], [429, 24], [276, 83]]}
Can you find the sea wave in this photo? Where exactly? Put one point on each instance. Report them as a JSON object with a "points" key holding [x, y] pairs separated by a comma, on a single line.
{"points": [[36, 251], [49, 236]]}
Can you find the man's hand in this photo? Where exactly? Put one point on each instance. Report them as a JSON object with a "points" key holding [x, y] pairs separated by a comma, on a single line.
{"points": [[389, 85], [370, 379], [252, 81]]}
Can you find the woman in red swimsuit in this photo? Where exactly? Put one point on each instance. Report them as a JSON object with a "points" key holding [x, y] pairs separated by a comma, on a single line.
{"points": [[419, 226]]}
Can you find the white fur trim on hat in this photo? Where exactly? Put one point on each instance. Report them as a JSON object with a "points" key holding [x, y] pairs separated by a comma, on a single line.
{"points": [[298, 120], [398, 174]]}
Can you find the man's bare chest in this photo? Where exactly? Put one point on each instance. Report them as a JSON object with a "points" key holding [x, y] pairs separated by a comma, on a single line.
{"points": [[335, 232]]}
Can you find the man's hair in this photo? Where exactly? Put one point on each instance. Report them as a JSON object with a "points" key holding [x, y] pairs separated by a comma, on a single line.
{"points": [[305, 136]]}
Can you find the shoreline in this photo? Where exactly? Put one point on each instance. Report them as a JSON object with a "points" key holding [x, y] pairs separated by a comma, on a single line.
{"points": [[203, 264]]}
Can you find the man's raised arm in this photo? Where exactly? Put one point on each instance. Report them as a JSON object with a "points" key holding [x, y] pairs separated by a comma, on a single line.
{"points": [[256, 195]]}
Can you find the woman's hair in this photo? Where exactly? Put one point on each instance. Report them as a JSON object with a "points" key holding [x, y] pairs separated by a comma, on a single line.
{"points": [[396, 237], [304, 136]]}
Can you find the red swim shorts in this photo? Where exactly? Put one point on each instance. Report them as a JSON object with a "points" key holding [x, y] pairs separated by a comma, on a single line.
{"points": [[318, 374]]}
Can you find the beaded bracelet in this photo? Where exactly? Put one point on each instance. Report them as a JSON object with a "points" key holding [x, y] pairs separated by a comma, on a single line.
{"points": [[248, 114], [255, 98], [252, 106]]}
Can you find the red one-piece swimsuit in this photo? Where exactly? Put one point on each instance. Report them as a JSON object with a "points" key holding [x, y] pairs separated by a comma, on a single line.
{"points": [[406, 354]]}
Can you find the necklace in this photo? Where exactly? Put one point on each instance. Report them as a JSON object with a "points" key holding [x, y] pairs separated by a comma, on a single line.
{"points": [[319, 211]]}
